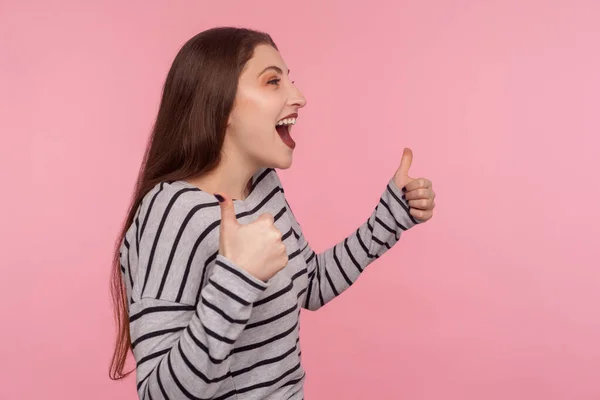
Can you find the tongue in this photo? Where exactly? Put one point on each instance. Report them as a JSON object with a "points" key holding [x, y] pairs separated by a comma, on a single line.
{"points": [[284, 134]]}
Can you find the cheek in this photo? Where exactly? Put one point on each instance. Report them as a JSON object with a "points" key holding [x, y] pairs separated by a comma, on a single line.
{"points": [[254, 118], [263, 102], [247, 100]]}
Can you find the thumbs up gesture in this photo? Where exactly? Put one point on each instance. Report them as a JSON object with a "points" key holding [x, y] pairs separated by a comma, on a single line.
{"points": [[256, 247], [418, 192]]}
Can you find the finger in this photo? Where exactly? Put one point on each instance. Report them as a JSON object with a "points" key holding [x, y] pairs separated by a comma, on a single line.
{"points": [[422, 204], [417, 184], [416, 194], [267, 218], [421, 214], [228, 216], [277, 233], [282, 248], [405, 162]]}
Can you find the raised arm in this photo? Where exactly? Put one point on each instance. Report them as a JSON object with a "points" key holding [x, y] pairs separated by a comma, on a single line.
{"points": [[334, 270]]}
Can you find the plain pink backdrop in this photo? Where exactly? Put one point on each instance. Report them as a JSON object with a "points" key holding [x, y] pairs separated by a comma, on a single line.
{"points": [[497, 297]]}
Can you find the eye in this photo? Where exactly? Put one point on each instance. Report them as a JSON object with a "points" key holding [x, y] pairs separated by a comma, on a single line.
{"points": [[274, 81]]}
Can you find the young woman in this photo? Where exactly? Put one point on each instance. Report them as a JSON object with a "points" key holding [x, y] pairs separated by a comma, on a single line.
{"points": [[212, 268]]}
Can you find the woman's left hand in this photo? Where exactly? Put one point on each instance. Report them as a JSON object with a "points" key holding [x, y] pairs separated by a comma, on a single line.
{"points": [[418, 192]]}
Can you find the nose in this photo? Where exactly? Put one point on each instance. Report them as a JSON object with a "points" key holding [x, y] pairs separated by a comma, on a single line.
{"points": [[296, 98]]}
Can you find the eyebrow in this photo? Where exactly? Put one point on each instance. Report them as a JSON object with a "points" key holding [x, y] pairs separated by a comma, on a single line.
{"points": [[274, 67]]}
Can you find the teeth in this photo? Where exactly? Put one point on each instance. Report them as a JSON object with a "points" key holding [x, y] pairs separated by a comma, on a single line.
{"points": [[287, 121]]}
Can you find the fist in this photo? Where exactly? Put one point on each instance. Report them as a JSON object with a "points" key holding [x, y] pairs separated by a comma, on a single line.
{"points": [[418, 192], [255, 247]]}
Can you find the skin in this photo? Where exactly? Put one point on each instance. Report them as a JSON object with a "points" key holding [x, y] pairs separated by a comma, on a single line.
{"points": [[417, 191]]}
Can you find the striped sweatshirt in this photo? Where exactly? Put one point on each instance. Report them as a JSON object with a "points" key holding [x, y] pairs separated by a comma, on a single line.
{"points": [[202, 327]]}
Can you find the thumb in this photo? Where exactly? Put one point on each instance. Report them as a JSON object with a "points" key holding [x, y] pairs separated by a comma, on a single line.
{"points": [[228, 217], [405, 162]]}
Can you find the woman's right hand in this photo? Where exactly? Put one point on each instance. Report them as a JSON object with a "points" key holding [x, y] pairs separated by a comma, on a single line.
{"points": [[255, 247]]}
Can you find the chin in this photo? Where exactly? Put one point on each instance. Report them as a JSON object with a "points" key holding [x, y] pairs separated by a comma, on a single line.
{"points": [[284, 162]]}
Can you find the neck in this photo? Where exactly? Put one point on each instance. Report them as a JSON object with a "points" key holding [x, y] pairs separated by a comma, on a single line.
{"points": [[229, 178]]}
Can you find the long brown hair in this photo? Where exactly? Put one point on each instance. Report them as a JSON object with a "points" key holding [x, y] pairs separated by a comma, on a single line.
{"points": [[198, 96]]}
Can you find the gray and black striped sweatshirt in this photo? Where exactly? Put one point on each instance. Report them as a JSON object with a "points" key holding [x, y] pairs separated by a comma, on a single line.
{"points": [[203, 328]]}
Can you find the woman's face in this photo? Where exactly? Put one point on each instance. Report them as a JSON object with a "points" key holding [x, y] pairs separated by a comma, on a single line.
{"points": [[265, 96]]}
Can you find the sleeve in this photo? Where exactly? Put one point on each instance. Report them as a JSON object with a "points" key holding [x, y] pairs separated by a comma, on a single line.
{"points": [[336, 269], [182, 345]]}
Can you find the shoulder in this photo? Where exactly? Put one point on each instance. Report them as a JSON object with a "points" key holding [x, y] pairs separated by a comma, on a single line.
{"points": [[176, 194], [179, 235], [177, 208]]}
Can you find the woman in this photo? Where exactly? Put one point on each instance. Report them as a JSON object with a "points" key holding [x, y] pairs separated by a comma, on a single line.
{"points": [[212, 267]]}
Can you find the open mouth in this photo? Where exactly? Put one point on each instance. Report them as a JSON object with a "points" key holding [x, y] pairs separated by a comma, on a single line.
{"points": [[283, 127]]}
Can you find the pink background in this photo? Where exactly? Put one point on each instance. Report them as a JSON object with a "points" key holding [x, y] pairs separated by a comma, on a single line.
{"points": [[498, 297]]}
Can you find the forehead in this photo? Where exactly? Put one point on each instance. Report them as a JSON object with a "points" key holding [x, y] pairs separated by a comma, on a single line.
{"points": [[264, 56]]}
